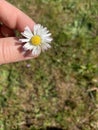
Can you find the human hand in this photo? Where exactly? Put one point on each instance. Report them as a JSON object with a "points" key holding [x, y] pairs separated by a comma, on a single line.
{"points": [[12, 19]]}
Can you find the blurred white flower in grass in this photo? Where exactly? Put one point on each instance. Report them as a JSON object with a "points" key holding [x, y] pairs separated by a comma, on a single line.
{"points": [[36, 41]]}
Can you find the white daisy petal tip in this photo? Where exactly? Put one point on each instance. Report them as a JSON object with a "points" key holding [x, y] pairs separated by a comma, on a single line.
{"points": [[36, 41], [26, 28], [20, 40]]}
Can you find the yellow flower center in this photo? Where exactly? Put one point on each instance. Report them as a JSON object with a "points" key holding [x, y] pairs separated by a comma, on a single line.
{"points": [[36, 40]]}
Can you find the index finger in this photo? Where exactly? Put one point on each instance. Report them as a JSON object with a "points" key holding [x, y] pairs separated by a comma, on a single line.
{"points": [[13, 17]]}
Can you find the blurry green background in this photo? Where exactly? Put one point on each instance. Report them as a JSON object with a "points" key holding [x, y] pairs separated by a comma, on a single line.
{"points": [[59, 89]]}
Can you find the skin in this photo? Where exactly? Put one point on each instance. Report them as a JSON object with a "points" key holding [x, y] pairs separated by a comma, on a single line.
{"points": [[12, 19]]}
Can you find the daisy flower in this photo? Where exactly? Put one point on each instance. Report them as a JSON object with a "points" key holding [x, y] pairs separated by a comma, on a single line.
{"points": [[36, 41]]}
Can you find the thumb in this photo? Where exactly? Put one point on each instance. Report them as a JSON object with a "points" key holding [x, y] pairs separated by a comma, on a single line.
{"points": [[11, 51]]}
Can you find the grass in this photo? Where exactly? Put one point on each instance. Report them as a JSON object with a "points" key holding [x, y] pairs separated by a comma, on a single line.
{"points": [[59, 89]]}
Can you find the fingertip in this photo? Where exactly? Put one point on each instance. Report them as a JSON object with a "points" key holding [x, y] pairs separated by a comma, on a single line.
{"points": [[13, 18], [10, 51], [22, 21]]}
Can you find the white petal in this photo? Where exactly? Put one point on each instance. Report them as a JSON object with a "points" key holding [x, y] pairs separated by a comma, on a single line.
{"points": [[28, 46], [46, 40], [36, 29], [36, 51], [27, 32], [41, 31], [45, 46], [47, 34], [24, 40]]}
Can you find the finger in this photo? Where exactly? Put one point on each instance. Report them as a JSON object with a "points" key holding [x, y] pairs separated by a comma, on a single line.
{"points": [[13, 17], [7, 32], [11, 51]]}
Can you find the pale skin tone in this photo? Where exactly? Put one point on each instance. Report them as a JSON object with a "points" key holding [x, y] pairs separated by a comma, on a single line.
{"points": [[12, 19]]}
